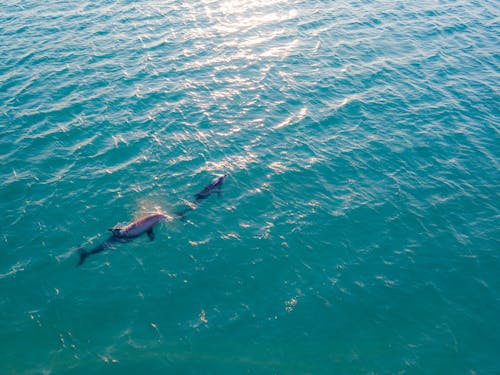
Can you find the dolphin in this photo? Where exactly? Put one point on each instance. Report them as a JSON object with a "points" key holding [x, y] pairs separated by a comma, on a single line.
{"points": [[214, 187], [138, 227], [125, 234]]}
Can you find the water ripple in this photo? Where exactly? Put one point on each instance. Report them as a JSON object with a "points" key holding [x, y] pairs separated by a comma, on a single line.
{"points": [[360, 139]]}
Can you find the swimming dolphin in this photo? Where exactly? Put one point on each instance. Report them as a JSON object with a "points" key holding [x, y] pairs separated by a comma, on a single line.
{"points": [[214, 187], [211, 188], [125, 234], [138, 227]]}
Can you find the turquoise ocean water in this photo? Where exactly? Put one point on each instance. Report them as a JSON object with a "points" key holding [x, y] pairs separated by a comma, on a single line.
{"points": [[357, 233]]}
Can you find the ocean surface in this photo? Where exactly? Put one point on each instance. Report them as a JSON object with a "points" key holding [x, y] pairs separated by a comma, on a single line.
{"points": [[358, 231]]}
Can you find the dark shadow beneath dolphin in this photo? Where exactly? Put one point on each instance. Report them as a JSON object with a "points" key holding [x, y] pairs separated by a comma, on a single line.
{"points": [[214, 187]]}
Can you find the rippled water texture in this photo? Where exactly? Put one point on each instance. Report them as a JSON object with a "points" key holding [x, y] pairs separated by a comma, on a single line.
{"points": [[357, 232]]}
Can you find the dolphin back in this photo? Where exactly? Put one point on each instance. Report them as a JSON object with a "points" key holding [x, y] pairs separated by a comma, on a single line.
{"points": [[211, 188]]}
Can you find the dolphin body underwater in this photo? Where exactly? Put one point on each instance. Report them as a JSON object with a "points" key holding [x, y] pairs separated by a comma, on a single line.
{"points": [[125, 234], [214, 187]]}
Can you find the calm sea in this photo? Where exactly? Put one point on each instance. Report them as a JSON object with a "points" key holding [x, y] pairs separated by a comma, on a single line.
{"points": [[357, 233]]}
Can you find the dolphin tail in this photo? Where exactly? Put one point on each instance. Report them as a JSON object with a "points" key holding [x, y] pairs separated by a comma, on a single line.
{"points": [[83, 254]]}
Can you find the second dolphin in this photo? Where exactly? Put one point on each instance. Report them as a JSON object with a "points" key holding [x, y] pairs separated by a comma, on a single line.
{"points": [[214, 187]]}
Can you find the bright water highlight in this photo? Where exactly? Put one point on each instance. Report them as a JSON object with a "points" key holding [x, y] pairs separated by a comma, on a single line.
{"points": [[357, 233]]}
